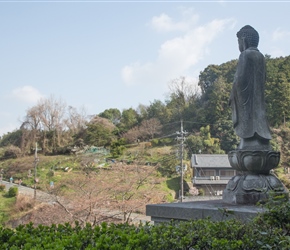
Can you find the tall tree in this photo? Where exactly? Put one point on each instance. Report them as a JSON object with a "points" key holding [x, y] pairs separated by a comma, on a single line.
{"points": [[99, 132], [157, 109], [212, 72], [112, 114], [216, 84], [277, 90], [181, 101], [129, 119], [203, 143]]}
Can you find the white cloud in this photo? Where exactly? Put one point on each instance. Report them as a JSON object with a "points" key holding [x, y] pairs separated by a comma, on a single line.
{"points": [[127, 72], [176, 56], [27, 94], [164, 23], [280, 34], [278, 45]]}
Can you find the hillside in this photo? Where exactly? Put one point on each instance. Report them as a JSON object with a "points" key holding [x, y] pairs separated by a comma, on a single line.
{"points": [[88, 185]]}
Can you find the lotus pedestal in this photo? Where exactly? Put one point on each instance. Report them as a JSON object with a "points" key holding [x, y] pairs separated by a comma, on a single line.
{"points": [[254, 183]]}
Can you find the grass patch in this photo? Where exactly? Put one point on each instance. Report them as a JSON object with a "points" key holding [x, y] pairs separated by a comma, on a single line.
{"points": [[173, 183], [171, 186], [6, 204]]}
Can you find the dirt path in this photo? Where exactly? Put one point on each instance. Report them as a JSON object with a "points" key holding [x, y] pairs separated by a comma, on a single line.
{"points": [[40, 195]]}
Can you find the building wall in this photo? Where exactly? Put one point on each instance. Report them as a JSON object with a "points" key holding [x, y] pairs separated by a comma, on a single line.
{"points": [[212, 190], [207, 173]]}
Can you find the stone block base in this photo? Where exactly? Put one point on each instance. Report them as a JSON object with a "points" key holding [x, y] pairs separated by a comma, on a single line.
{"points": [[217, 210]]}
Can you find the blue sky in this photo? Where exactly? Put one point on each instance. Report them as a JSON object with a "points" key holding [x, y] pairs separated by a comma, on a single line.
{"points": [[119, 54]]}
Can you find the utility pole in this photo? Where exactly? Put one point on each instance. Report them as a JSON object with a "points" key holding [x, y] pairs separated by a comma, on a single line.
{"points": [[182, 138], [36, 160]]}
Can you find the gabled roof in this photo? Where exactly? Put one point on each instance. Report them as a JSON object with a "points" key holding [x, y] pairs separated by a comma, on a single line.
{"points": [[210, 161]]}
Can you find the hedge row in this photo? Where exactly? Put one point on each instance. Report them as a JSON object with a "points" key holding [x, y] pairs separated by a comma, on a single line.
{"points": [[268, 231]]}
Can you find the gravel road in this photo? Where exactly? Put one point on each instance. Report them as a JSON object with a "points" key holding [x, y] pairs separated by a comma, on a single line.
{"points": [[40, 195]]}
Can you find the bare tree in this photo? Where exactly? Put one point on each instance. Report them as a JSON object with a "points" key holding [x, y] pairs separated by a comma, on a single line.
{"points": [[127, 194], [51, 123], [182, 90], [147, 130], [76, 119], [108, 194], [30, 128], [52, 115], [133, 134], [150, 128], [104, 122], [75, 124]]}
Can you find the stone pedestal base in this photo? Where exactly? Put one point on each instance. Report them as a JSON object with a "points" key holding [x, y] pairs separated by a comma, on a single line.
{"points": [[253, 188], [216, 210]]}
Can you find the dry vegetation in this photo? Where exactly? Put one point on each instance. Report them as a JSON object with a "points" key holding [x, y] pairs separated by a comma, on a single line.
{"points": [[95, 194], [94, 189]]}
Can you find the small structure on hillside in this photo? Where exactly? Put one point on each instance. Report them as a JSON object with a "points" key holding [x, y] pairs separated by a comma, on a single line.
{"points": [[211, 172]]}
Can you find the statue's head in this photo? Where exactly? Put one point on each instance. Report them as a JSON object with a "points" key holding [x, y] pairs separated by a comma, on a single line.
{"points": [[249, 35]]}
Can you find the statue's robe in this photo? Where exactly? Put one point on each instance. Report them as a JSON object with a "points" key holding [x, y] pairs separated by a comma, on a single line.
{"points": [[247, 96]]}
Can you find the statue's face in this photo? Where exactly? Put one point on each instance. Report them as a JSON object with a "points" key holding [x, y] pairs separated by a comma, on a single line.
{"points": [[241, 44]]}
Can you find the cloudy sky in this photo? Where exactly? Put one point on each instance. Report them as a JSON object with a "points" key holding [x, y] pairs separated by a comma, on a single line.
{"points": [[119, 54]]}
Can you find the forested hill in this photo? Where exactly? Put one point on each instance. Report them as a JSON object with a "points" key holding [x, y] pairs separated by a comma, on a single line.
{"points": [[205, 114]]}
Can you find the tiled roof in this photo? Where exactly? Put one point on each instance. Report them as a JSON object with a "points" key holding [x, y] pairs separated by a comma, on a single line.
{"points": [[210, 161]]}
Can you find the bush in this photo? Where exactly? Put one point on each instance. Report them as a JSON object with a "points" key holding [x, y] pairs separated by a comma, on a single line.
{"points": [[12, 152], [117, 148], [2, 187], [198, 234], [277, 215], [13, 192], [201, 192], [154, 142], [269, 230], [162, 142]]}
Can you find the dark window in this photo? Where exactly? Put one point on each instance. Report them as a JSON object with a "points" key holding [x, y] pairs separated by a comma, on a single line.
{"points": [[226, 173], [206, 172]]}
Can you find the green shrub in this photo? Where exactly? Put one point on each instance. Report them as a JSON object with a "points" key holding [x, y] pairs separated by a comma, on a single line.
{"points": [[277, 215], [201, 192], [2, 187], [162, 142], [13, 191], [12, 152], [155, 142], [269, 230], [166, 141]]}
